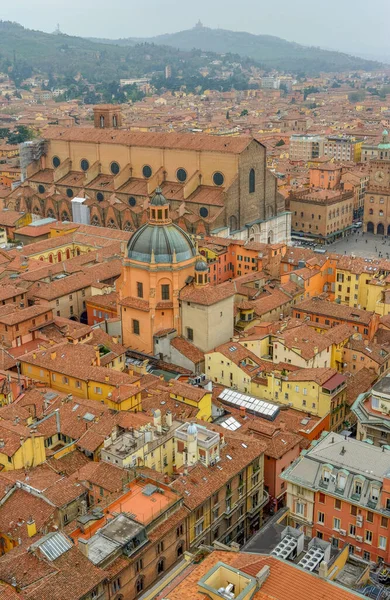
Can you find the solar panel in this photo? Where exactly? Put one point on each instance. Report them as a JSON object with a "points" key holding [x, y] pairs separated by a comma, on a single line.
{"points": [[251, 404], [231, 424]]}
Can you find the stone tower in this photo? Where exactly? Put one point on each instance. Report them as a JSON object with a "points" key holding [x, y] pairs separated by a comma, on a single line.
{"points": [[107, 116]]}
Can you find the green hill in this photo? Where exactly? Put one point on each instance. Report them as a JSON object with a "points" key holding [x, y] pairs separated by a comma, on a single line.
{"points": [[23, 51], [270, 51]]}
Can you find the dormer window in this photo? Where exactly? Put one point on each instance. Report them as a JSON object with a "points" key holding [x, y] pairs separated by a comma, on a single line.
{"points": [[374, 403], [341, 481], [374, 493], [358, 487], [326, 476]]}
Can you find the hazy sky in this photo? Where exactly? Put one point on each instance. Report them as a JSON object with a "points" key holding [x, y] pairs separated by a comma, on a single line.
{"points": [[347, 25]]}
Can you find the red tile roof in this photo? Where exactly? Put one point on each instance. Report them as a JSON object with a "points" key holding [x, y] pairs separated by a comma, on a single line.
{"points": [[187, 349], [286, 581], [178, 141]]}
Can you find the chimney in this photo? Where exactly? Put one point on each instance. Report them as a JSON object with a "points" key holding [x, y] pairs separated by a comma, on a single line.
{"points": [[58, 419], [157, 417], [97, 355], [106, 378], [323, 570], [262, 575], [31, 527], [315, 349], [53, 355], [168, 418], [83, 547]]}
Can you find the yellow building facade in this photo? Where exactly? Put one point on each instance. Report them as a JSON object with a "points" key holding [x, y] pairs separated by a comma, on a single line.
{"points": [[30, 453], [117, 390]]}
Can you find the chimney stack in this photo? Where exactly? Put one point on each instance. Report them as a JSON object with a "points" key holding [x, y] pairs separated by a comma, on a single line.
{"points": [[262, 575], [323, 570], [83, 546], [157, 417], [31, 527]]}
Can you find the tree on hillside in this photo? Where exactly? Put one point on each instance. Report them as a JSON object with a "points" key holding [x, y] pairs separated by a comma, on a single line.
{"points": [[20, 134], [310, 90], [357, 96]]}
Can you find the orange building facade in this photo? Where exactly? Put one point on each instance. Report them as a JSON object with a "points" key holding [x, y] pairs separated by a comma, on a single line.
{"points": [[326, 177], [332, 495], [160, 262], [328, 313]]}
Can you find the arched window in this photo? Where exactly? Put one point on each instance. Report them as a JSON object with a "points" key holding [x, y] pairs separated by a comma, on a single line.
{"points": [[371, 211], [41, 258], [139, 586], [59, 256], [101, 121], [50, 258], [114, 121], [252, 181], [68, 253], [78, 251]]}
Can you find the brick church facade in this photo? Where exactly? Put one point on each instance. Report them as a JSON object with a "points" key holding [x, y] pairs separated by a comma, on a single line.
{"points": [[213, 183]]}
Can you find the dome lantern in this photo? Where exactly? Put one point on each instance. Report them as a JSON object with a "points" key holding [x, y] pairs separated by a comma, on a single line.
{"points": [[201, 272], [159, 208]]}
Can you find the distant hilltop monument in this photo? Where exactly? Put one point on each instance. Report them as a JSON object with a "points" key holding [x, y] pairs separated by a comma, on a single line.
{"points": [[199, 25]]}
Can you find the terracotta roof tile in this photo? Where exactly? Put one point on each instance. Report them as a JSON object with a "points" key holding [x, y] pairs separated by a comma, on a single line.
{"points": [[334, 310], [179, 141], [285, 582], [187, 349], [207, 295]]}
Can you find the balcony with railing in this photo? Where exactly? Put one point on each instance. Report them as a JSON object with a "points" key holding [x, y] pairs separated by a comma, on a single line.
{"points": [[262, 501]]}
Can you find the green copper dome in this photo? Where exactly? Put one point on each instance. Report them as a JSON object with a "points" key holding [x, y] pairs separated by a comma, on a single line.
{"points": [[385, 144], [163, 241], [201, 265]]}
